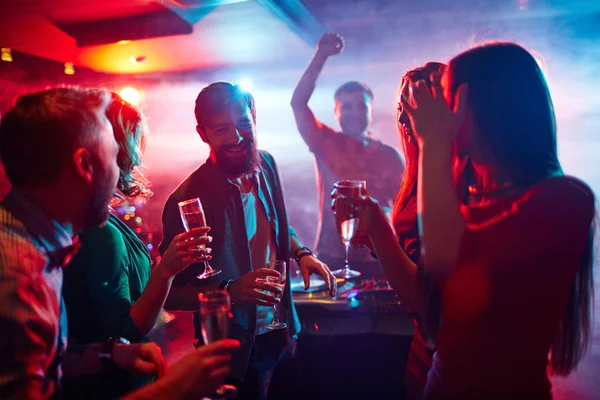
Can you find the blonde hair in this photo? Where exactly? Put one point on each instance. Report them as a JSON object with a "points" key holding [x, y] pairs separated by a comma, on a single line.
{"points": [[129, 127]]}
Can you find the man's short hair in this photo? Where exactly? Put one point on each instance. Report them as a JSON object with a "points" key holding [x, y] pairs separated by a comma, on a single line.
{"points": [[353, 87], [216, 96], [39, 134]]}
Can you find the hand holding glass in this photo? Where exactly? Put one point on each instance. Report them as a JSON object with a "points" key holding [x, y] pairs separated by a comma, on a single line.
{"points": [[192, 216], [346, 216], [279, 281], [215, 310]]}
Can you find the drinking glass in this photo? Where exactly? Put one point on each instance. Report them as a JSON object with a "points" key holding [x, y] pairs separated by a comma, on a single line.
{"points": [[215, 311], [192, 216], [278, 266], [347, 220]]}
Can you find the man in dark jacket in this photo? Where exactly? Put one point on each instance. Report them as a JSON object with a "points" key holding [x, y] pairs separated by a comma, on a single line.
{"points": [[241, 195]]}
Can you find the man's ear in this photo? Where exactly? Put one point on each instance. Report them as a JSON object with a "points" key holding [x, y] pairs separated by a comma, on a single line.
{"points": [[202, 133], [82, 161]]}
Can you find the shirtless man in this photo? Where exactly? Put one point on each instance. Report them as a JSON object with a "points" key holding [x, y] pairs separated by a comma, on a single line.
{"points": [[350, 153]]}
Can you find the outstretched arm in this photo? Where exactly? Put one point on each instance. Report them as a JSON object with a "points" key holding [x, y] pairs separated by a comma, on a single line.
{"points": [[309, 126], [311, 265]]}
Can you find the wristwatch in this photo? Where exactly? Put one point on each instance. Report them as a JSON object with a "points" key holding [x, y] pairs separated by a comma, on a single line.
{"points": [[106, 352], [303, 252]]}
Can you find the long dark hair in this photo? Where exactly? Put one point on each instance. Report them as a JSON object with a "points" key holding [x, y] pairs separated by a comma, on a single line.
{"points": [[512, 109], [408, 143], [515, 124]]}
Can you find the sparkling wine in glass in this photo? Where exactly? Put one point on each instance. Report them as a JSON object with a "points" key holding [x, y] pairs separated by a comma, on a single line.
{"points": [[215, 311], [347, 219], [192, 216], [280, 267]]}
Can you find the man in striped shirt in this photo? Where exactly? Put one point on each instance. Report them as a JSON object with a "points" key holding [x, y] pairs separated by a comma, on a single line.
{"points": [[59, 154]]}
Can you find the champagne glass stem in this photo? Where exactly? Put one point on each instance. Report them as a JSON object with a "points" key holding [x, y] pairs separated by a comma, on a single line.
{"points": [[346, 262], [275, 317], [207, 267], [208, 271]]}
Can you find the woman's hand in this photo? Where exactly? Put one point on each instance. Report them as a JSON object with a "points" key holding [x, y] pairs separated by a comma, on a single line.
{"points": [[185, 250], [370, 214], [342, 205], [431, 117], [360, 239]]}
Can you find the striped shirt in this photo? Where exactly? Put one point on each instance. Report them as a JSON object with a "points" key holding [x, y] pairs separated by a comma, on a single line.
{"points": [[33, 328]]}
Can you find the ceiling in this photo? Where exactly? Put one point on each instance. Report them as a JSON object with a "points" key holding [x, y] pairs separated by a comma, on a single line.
{"points": [[185, 35], [222, 34]]}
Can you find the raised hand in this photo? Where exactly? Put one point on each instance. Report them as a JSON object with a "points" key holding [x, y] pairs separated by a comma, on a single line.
{"points": [[184, 250], [431, 116], [330, 44], [251, 288]]}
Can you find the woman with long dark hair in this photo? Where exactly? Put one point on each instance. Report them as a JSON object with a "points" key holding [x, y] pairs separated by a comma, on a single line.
{"points": [[514, 262]]}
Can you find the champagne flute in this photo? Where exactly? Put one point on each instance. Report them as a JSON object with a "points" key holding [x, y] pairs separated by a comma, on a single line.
{"points": [[278, 266], [192, 216], [215, 311], [347, 220]]}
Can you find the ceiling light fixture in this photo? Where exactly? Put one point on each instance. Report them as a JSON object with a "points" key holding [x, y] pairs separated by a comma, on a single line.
{"points": [[69, 68], [130, 95], [6, 54], [246, 84], [137, 60]]}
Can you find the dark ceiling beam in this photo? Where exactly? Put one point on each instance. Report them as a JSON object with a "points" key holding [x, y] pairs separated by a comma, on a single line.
{"points": [[136, 27], [297, 17]]}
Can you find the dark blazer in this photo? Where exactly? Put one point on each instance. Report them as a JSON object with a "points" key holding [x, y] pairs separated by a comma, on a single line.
{"points": [[222, 204]]}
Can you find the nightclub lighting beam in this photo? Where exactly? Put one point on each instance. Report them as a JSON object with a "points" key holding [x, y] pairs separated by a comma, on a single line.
{"points": [[297, 17], [246, 84]]}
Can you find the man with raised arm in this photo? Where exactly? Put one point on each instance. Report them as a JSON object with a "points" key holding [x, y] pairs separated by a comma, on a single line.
{"points": [[350, 153]]}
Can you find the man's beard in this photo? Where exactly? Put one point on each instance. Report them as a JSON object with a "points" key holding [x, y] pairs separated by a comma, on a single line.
{"points": [[97, 212], [234, 168]]}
